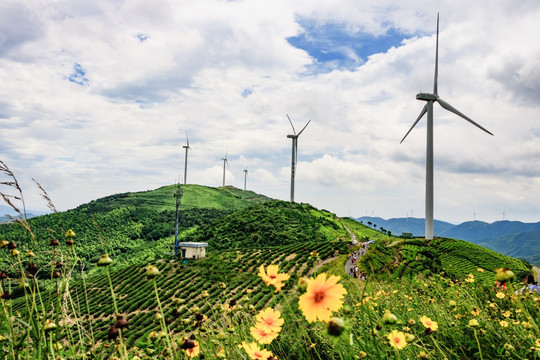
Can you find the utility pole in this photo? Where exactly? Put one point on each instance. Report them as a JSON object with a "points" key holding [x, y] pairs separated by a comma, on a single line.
{"points": [[177, 194]]}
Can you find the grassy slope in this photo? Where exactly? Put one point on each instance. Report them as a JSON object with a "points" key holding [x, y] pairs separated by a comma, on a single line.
{"points": [[131, 227]]}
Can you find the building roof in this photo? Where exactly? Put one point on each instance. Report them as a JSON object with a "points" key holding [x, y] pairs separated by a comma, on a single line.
{"points": [[193, 244]]}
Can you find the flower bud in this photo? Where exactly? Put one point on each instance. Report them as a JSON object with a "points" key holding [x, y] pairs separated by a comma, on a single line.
{"points": [[303, 283], [4, 243], [336, 326], [70, 234], [503, 275], [389, 318], [30, 253], [152, 272], [105, 260], [54, 242], [49, 325]]}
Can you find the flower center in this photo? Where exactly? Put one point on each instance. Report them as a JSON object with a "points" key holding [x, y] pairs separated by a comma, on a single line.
{"points": [[397, 340], [318, 296], [272, 276]]}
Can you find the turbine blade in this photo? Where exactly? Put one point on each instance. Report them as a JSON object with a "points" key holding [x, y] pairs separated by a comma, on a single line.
{"points": [[294, 131], [422, 113], [304, 127], [187, 139], [436, 59], [450, 108]]}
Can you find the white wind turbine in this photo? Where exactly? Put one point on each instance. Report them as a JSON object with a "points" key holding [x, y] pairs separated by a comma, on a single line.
{"points": [[225, 161], [430, 99], [294, 156], [185, 162], [245, 177]]}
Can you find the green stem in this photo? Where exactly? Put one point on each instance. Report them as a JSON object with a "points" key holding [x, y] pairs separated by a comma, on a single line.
{"points": [[162, 320], [478, 343]]}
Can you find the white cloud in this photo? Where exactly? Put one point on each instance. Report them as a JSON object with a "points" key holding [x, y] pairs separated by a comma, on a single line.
{"points": [[225, 72]]}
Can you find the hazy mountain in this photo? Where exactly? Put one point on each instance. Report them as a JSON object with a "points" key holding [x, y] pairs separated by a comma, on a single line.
{"points": [[398, 226], [512, 238], [7, 210]]}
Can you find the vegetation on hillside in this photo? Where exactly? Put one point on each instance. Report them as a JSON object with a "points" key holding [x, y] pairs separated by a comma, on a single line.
{"points": [[399, 258], [270, 224]]}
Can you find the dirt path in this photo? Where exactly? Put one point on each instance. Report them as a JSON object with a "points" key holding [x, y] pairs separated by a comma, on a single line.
{"points": [[349, 264]]}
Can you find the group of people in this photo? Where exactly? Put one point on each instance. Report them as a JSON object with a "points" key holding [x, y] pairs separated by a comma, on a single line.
{"points": [[353, 257]]}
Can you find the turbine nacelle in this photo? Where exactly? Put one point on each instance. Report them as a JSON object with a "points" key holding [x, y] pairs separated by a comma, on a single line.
{"points": [[426, 97]]}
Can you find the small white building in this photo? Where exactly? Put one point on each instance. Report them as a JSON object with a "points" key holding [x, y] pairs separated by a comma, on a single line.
{"points": [[192, 250]]}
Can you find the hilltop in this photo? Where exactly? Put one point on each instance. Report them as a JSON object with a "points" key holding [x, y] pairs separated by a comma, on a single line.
{"points": [[131, 226]]}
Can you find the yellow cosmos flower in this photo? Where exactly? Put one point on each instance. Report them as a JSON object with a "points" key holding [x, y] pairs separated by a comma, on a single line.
{"points": [[500, 295], [474, 323], [503, 323], [323, 297], [271, 276], [270, 320], [428, 323], [261, 334], [253, 351], [191, 348], [397, 339], [480, 270], [475, 312], [537, 343]]}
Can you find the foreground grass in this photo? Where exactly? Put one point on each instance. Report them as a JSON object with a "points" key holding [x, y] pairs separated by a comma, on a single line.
{"points": [[469, 320]]}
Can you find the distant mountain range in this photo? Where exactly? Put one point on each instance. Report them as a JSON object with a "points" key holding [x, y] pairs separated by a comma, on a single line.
{"points": [[513, 238], [7, 210]]}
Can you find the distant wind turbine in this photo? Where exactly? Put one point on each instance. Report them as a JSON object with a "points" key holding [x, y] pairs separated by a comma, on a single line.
{"points": [[185, 162], [430, 99], [294, 138], [225, 161], [245, 177]]}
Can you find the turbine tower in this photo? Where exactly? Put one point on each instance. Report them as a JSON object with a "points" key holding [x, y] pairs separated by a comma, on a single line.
{"points": [[294, 138], [428, 107], [185, 161], [245, 177], [225, 161]]}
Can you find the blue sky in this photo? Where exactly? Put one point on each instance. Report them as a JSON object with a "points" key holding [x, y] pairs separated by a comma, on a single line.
{"points": [[97, 97], [334, 45]]}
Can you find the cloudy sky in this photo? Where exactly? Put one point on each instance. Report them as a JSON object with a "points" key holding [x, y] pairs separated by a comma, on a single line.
{"points": [[96, 98]]}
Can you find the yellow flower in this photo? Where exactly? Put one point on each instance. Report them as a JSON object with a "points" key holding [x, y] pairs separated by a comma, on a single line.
{"points": [[362, 354], [537, 343], [452, 303], [507, 314], [191, 348], [480, 270], [500, 295], [254, 352], [428, 323], [473, 323], [475, 312], [397, 339], [503, 323], [323, 297], [411, 322], [262, 335], [422, 355], [270, 320], [272, 277]]}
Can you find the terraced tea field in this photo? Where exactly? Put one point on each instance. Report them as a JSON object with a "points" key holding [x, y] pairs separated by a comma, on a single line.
{"points": [[185, 289]]}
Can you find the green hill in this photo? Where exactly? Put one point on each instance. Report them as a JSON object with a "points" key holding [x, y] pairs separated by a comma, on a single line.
{"points": [[132, 227]]}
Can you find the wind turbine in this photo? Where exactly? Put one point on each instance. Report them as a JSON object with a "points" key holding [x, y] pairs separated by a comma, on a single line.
{"points": [[245, 177], [294, 138], [185, 162], [430, 99], [225, 161]]}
